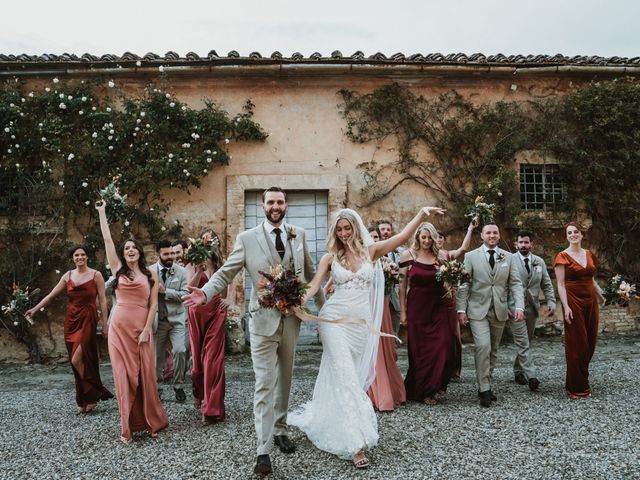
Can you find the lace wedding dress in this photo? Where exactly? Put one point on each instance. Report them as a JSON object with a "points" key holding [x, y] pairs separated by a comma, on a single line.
{"points": [[340, 418]]}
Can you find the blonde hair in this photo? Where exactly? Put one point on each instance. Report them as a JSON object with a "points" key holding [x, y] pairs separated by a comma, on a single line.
{"points": [[434, 237], [355, 242]]}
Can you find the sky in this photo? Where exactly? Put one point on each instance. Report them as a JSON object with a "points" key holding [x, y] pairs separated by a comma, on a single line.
{"points": [[571, 27]]}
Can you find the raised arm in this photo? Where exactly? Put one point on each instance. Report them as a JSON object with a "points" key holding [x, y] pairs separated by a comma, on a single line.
{"points": [[112, 256], [466, 243], [383, 247], [59, 288], [102, 301], [321, 273]]}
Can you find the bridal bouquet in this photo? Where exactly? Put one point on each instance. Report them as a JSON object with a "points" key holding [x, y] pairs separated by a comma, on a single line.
{"points": [[19, 303], [481, 210], [116, 202], [617, 291], [451, 274], [391, 274], [281, 288], [199, 250]]}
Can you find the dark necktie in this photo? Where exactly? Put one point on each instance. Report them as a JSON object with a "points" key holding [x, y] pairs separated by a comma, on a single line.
{"points": [[163, 272], [492, 261], [279, 244], [526, 265]]}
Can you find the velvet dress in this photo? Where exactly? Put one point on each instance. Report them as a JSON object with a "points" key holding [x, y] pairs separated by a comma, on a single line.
{"points": [[430, 343], [581, 335]]}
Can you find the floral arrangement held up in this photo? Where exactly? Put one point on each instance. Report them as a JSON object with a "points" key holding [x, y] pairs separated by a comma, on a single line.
{"points": [[617, 291], [19, 303], [451, 274], [484, 212], [391, 274], [199, 250], [281, 288], [116, 202]]}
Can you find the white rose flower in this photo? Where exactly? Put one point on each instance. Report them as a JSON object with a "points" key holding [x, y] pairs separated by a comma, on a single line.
{"points": [[226, 140], [94, 134], [71, 156], [161, 68], [84, 99], [16, 323], [40, 262], [93, 108], [148, 126], [204, 171], [110, 137], [9, 150], [31, 94], [184, 108], [108, 109], [17, 165], [85, 184], [111, 132], [47, 89], [172, 104], [61, 183], [186, 145], [87, 202], [110, 147], [70, 97], [58, 272], [137, 129], [61, 96], [126, 223], [167, 95], [111, 84], [135, 134], [62, 106], [142, 114], [55, 80], [6, 129], [81, 112], [44, 139], [163, 228], [208, 159]]}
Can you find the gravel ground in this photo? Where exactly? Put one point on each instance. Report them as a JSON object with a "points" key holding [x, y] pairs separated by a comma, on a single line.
{"points": [[525, 435]]}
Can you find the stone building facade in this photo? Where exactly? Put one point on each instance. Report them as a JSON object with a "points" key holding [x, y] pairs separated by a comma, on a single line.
{"points": [[296, 101]]}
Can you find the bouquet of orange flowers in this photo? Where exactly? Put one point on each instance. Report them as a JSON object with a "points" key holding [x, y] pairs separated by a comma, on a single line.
{"points": [[19, 303], [281, 288], [618, 291], [451, 274], [484, 212], [199, 250]]}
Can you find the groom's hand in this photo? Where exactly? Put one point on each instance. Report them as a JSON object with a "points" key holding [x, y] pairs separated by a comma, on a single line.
{"points": [[194, 298]]}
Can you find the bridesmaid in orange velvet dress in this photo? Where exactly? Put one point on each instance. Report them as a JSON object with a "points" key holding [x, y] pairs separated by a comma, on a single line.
{"points": [[82, 285], [207, 337], [575, 270], [130, 336], [387, 390]]}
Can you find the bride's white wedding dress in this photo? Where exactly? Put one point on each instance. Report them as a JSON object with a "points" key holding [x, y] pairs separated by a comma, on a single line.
{"points": [[340, 418]]}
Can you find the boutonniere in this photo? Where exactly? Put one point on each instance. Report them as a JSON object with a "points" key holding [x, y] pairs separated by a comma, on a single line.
{"points": [[535, 263], [172, 271], [291, 233], [500, 256]]}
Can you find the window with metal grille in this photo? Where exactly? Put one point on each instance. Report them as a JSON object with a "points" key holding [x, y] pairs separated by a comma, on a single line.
{"points": [[541, 187]]}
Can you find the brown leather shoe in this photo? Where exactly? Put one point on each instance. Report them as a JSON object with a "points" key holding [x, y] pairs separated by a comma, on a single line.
{"points": [[534, 383], [521, 379], [263, 465]]}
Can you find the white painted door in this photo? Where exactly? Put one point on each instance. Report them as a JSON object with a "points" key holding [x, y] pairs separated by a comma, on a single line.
{"points": [[307, 209]]}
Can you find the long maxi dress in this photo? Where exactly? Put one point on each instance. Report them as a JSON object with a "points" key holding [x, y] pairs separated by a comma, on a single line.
{"points": [[430, 342], [387, 390], [80, 322], [581, 335], [134, 372], [340, 418], [207, 337]]}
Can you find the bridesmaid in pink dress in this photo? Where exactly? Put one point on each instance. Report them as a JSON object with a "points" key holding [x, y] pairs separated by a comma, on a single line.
{"points": [[207, 337], [130, 337], [387, 390]]}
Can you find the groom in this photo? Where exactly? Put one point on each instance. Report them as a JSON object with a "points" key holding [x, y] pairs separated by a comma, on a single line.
{"points": [[273, 336]]}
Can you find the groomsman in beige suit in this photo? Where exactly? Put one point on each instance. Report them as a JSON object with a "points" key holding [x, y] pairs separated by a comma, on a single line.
{"points": [[535, 277], [273, 336], [482, 304]]}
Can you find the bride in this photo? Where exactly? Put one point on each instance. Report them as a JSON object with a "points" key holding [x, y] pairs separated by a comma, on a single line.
{"points": [[340, 418]]}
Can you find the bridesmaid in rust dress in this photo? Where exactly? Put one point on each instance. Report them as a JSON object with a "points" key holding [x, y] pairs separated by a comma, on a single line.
{"points": [[387, 390], [207, 337], [428, 313], [82, 285], [130, 336], [575, 270]]}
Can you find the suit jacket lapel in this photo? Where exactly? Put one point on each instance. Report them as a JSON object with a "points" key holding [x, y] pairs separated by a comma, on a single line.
{"points": [[485, 262], [267, 246]]}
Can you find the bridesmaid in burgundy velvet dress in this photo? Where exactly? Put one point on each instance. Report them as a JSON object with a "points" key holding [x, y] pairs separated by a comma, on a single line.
{"points": [[82, 285], [575, 270], [207, 338], [428, 313], [130, 336]]}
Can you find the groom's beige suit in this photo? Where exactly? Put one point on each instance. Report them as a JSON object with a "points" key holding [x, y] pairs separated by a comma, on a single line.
{"points": [[485, 301], [273, 336]]}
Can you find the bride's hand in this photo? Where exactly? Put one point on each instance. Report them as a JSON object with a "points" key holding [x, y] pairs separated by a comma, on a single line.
{"points": [[101, 205], [429, 210]]}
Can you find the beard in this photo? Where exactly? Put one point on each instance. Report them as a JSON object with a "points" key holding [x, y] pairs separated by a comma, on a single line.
{"points": [[524, 251], [275, 215], [167, 263]]}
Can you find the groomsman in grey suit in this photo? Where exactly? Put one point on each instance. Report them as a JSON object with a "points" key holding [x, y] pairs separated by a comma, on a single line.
{"points": [[273, 336], [385, 227], [482, 304], [171, 319], [535, 277]]}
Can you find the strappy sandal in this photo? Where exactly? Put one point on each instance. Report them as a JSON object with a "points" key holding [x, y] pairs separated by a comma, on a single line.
{"points": [[126, 440], [360, 460], [89, 407], [430, 401]]}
